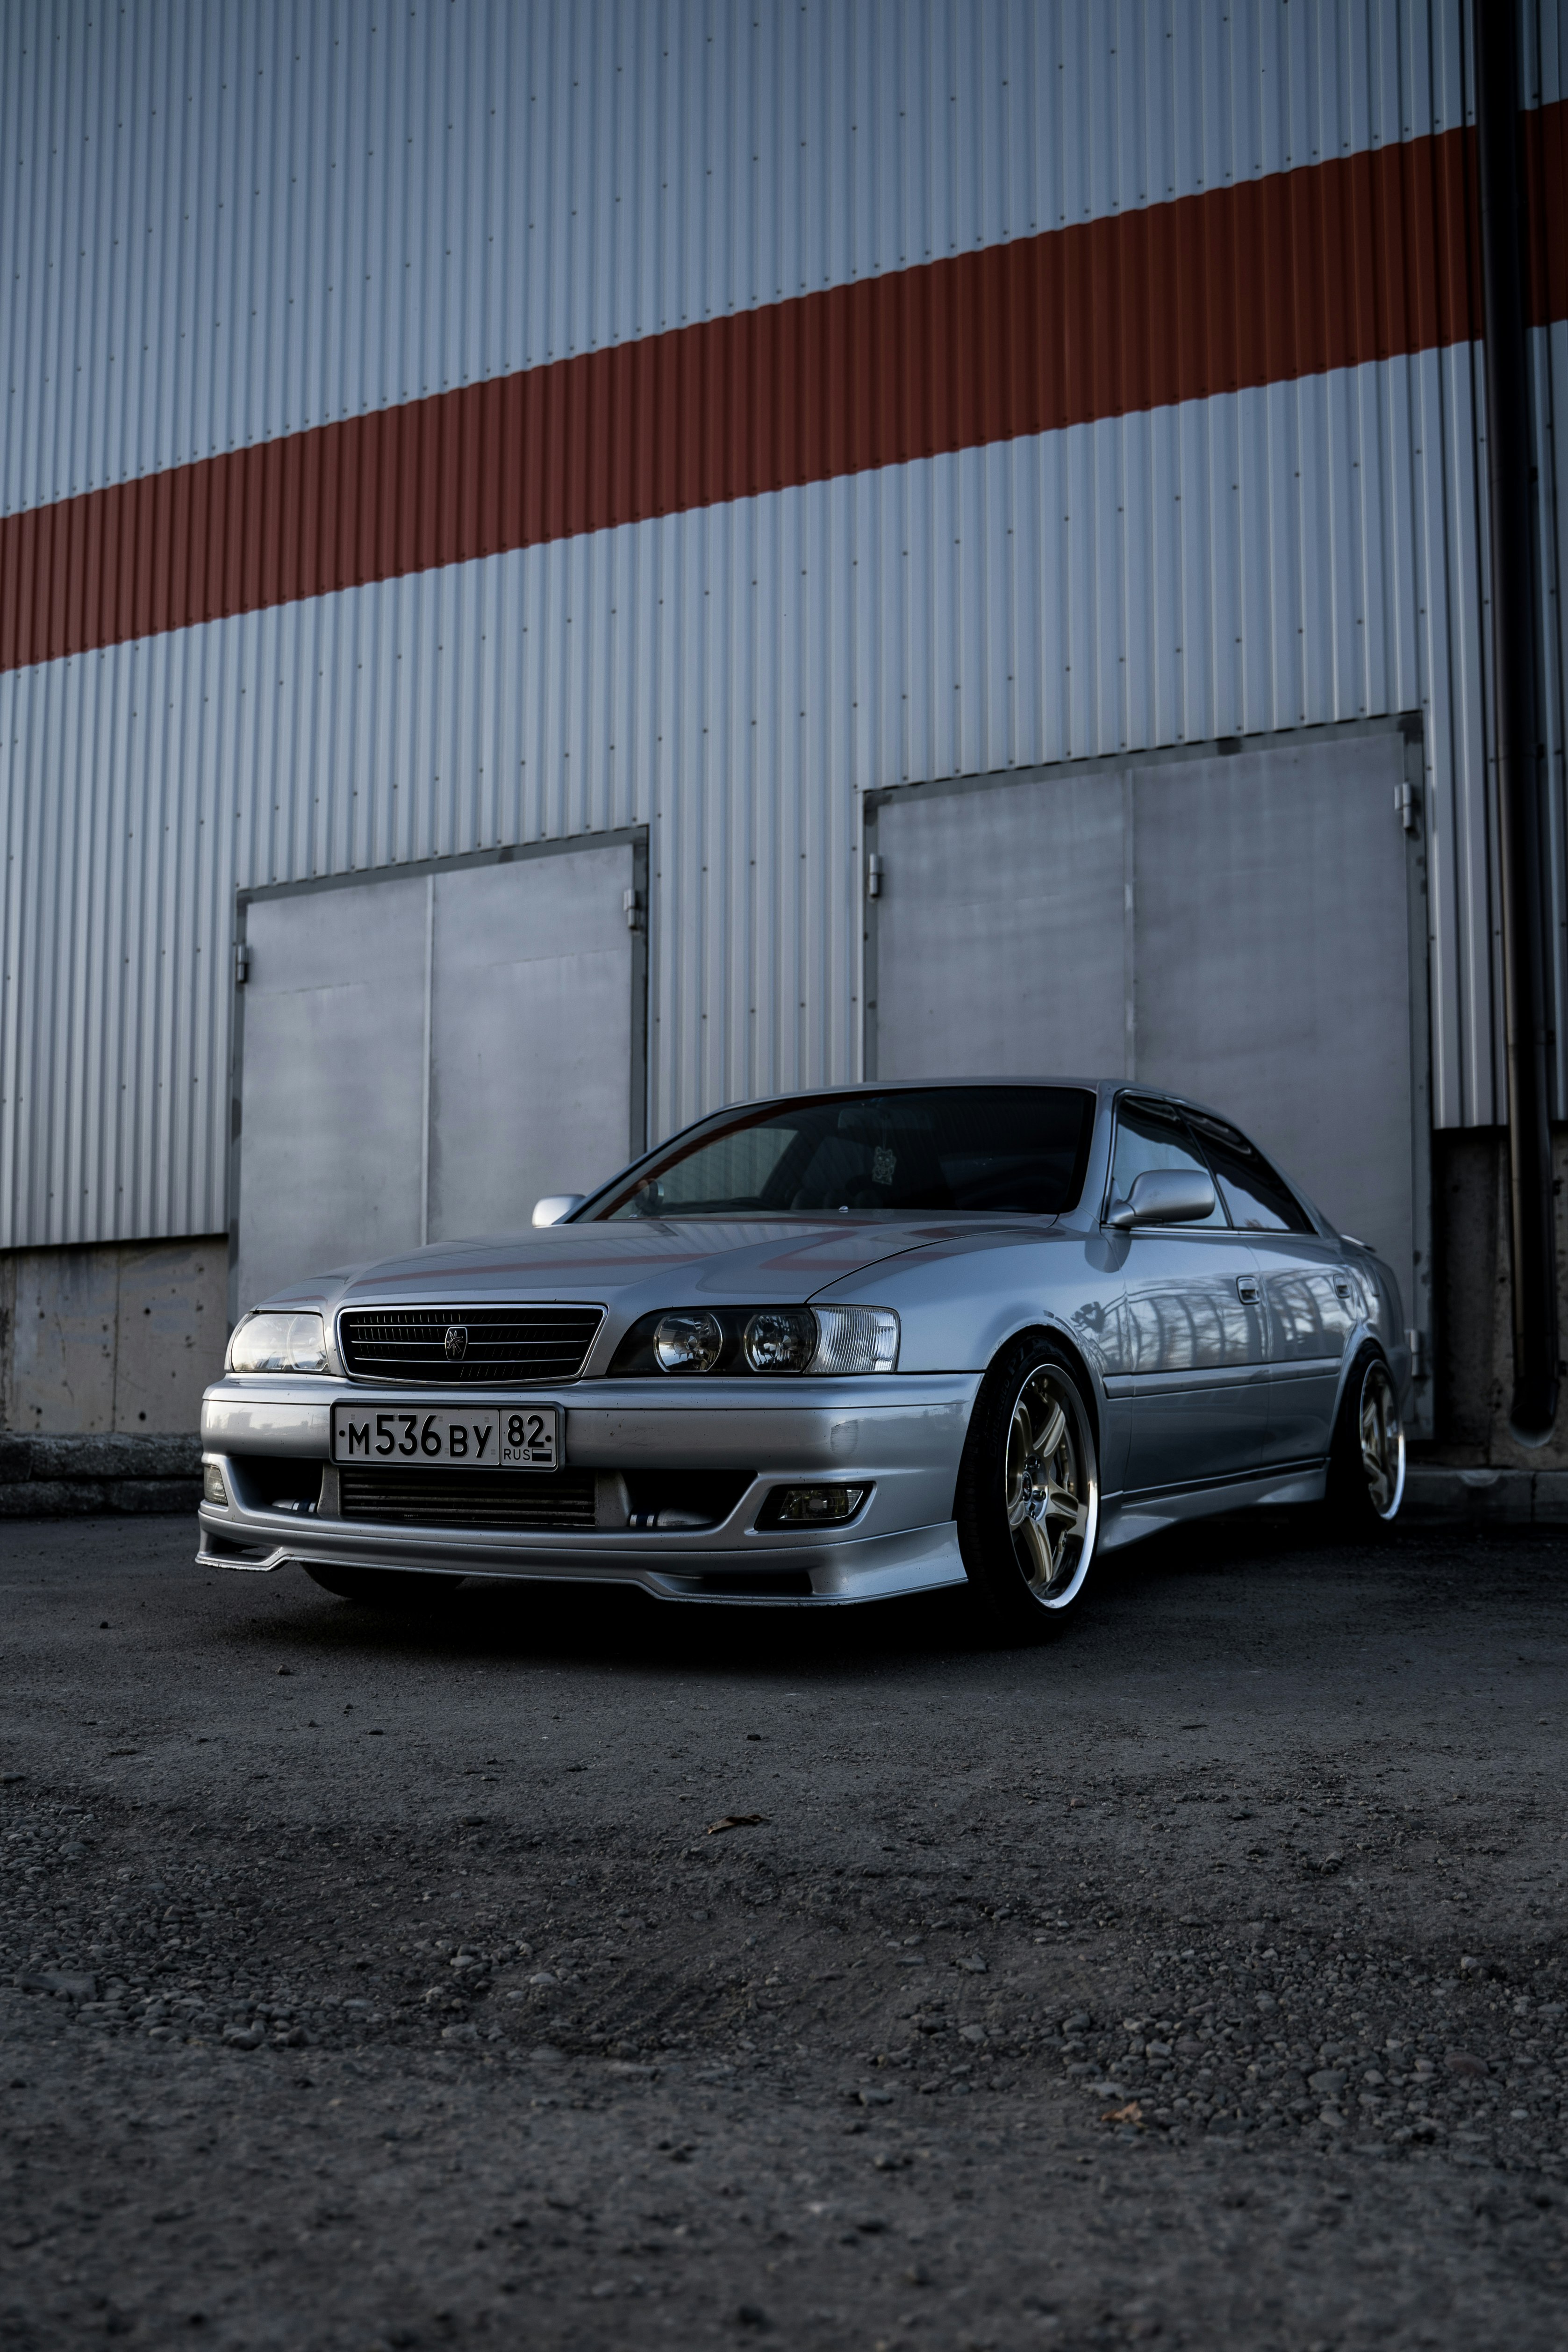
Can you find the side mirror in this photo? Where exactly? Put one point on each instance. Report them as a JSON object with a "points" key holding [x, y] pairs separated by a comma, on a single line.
{"points": [[556, 1206], [1164, 1196]]}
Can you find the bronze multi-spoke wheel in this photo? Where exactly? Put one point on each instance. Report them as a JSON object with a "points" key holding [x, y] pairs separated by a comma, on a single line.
{"points": [[1047, 1496], [1029, 1491], [1366, 1468], [1381, 1441]]}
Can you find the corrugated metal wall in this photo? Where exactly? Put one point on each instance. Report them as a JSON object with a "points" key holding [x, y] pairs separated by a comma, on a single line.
{"points": [[227, 221], [230, 223]]}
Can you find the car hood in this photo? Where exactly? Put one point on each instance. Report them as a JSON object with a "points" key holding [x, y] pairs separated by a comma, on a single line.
{"points": [[744, 1262]]}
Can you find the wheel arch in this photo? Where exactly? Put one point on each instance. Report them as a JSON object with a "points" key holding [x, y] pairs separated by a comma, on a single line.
{"points": [[1363, 1342], [1346, 1492], [994, 1558], [1043, 1327]]}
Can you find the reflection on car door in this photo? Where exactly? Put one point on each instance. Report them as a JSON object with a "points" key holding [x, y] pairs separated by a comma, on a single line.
{"points": [[1307, 1292], [1189, 1333]]}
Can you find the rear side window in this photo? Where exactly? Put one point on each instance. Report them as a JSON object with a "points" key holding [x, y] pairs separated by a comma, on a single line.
{"points": [[1150, 1137], [1258, 1197]]}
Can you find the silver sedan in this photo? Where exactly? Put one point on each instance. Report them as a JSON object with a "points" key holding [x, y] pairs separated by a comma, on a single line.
{"points": [[832, 1347]]}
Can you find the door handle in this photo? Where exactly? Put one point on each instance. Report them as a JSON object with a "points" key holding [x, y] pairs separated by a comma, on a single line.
{"points": [[1247, 1289]]}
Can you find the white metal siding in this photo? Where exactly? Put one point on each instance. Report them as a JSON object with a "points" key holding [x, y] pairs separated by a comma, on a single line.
{"points": [[227, 220], [733, 676]]}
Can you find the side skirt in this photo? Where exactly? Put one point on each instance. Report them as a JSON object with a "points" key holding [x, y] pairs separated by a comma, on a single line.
{"points": [[1127, 1519]]}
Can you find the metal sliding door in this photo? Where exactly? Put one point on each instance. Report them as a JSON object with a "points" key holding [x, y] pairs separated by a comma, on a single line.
{"points": [[1247, 928], [421, 1054]]}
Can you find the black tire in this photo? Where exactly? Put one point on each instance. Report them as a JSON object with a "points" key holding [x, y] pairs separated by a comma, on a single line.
{"points": [[1028, 1504], [384, 1588], [1366, 1460]]}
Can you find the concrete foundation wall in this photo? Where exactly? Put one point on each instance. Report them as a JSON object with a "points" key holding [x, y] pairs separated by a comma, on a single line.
{"points": [[1472, 1303], [104, 1353], [113, 1337], [81, 1478]]}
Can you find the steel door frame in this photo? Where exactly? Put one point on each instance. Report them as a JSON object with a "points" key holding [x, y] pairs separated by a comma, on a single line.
{"points": [[639, 916], [1407, 725]]}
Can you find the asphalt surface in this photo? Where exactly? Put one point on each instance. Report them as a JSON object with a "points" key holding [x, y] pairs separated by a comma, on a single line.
{"points": [[393, 1981]]}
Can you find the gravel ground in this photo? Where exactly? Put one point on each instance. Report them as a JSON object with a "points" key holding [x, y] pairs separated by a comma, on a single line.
{"points": [[569, 1970]]}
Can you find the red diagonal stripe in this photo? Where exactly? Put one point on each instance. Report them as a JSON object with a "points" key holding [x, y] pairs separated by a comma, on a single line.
{"points": [[1342, 262]]}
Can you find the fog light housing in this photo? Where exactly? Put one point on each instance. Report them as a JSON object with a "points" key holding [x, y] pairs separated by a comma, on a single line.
{"points": [[213, 1487], [812, 1506]]}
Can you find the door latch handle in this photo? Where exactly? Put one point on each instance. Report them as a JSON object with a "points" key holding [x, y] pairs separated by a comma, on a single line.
{"points": [[1247, 1289]]}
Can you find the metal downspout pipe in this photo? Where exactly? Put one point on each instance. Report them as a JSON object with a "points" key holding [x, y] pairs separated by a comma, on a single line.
{"points": [[1516, 731]]}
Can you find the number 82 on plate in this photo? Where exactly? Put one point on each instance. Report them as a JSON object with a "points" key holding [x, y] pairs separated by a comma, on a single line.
{"points": [[398, 1436]]}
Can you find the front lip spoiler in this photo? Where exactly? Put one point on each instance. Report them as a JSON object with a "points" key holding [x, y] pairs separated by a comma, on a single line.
{"points": [[867, 1568]]}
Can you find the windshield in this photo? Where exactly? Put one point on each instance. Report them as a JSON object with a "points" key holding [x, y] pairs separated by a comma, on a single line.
{"points": [[1006, 1149]]}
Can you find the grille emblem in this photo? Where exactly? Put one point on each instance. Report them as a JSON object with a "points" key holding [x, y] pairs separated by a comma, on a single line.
{"points": [[456, 1340]]}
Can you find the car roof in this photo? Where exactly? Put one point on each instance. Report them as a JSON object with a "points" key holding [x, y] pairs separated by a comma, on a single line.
{"points": [[1101, 1088]]}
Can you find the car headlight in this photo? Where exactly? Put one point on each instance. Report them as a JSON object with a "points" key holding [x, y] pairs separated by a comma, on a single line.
{"points": [[278, 1343], [689, 1342], [827, 1340], [781, 1339]]}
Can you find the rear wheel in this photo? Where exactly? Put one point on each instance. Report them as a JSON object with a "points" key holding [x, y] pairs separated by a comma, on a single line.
{"points": [[1029, 1490], [385, 1587], [1367, 1461]]}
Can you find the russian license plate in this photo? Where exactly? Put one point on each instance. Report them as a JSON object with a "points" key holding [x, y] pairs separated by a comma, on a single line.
{"points": [[485, 1437]]}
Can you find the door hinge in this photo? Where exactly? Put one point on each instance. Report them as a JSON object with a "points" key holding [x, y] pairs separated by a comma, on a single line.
{"points": [[1416, 1343], [1408, 801], [242, 963], [634, 908], [874, 874]]}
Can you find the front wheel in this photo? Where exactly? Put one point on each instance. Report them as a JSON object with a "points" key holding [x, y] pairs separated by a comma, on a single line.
{"points": [[1367, 1461], [385, 1587], [1029, 1490]]}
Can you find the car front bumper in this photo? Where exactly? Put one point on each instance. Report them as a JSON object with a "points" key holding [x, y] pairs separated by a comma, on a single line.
{"points": [[901, 1435]]}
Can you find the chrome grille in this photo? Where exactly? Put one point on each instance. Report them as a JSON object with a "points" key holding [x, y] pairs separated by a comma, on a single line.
{"points": [[524, 1499], [497, 1344]]}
